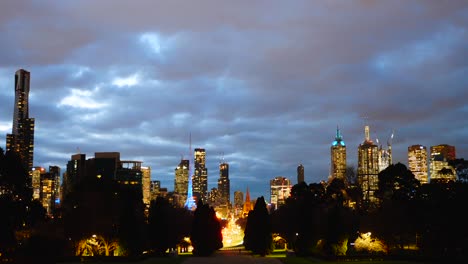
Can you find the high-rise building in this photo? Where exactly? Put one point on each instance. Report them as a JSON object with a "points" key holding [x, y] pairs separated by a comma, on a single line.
{"points": [[385, 154], [182, 177], [439, 168], [300, 173], [55, 173], [146, 182], [368, 168], [76, 171], [45, 187], [280, 190], [200, 176], [21, 140], [417, 162], [224, 183], [338, 157], [238, 199], [155, 187]]}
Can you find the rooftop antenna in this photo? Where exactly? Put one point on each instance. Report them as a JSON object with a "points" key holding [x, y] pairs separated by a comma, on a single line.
{"points": [[78, 150]]}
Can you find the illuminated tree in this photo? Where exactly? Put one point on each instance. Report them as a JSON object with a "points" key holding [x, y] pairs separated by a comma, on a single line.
{"points": [[366, 243]]}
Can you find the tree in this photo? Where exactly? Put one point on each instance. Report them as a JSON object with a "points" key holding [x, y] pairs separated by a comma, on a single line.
{"points": [[159, 221], [396, 182], [206, 233], [258, 231]]}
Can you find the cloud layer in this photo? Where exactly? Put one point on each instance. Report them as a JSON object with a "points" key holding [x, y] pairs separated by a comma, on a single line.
{"points": [[263, 85]]}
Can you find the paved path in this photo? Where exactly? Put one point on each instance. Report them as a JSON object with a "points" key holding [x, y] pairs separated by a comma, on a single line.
{"points": [[231, 259]]}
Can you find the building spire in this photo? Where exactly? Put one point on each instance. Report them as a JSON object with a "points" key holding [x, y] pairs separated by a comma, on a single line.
{"points": [[190, 203], [367, 133]]}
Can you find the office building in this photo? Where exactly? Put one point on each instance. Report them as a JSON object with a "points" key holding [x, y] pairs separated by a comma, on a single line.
{"points": [[417, 162], [368, 168], [224, 188], [146, 184], [200, 176], [181, 180], [440, 170], [21, 139], [338, 157], [280, 190]]}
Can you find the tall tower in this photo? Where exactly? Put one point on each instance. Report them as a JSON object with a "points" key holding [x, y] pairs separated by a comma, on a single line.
{"points": [[300, 173], [417, 162], [338, 157], [21, 139], [200, 177], [224, 183], [190, 203], [440, 156], [368, 168]]}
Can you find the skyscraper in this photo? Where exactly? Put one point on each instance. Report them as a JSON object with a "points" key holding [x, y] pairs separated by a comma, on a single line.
{"points": [[417, 162], [146, 184], [280, 189], [385, 155], [440, 156], [21, 139], [182, 177], [368, 168], [200, 176], [300, 173], [224, 183], [338, 157]]}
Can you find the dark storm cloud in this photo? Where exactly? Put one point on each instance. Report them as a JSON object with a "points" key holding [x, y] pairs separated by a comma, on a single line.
{"points": [[263, 85]]}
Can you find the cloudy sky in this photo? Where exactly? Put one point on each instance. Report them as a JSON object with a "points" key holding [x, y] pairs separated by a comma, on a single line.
{"points": [[262, 84]]}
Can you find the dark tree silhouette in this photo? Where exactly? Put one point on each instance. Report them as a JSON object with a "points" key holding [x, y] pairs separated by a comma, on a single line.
{"points": [[258, 230], [206, 233], [159, 225], [396, 182]]}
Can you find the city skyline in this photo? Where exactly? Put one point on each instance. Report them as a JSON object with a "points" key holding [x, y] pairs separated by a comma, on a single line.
{"points": [[263, 90]]}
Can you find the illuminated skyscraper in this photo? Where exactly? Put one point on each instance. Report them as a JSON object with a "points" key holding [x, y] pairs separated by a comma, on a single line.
{"points": [[182, 177], [338, 157], [417, 162], [146, 184], [368, 168], [200, 176], [439, 167], [280, 189], [300, 173], [21, 140], [224, 183]]}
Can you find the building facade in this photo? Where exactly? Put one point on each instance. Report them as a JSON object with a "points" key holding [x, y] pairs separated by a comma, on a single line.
{"points": [[21, 139], [417, 162], [368, 168]]}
